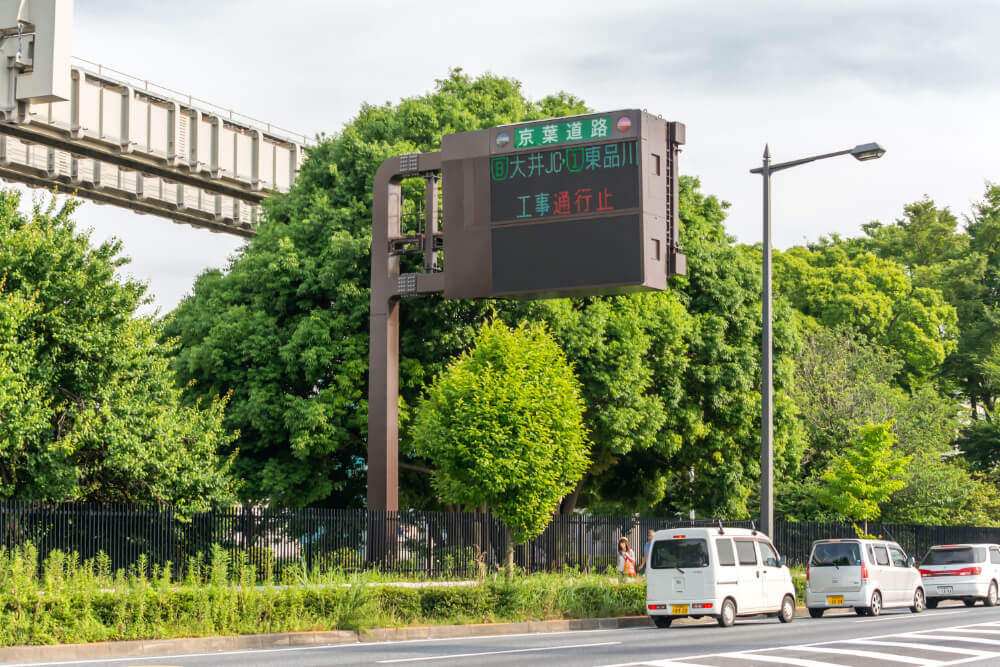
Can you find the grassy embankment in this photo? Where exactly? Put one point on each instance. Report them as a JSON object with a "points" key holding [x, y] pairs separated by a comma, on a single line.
{"points": [[73, 601]]}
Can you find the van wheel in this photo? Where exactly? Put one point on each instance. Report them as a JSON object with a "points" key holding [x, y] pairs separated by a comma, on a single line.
{"points": [[728, 613], [816, 613], [969, 603], [876, 605], [991, 597], [787, 612], [918, 601], [860, 611], [662, 621], [932, 603]]}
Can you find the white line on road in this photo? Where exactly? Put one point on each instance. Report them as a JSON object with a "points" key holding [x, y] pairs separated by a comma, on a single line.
{"points": [[781, 660], [898, 617], [451, 656], [924, 647], [877, 655]]}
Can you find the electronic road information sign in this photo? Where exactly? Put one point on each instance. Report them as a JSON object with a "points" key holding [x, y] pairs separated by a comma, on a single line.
{"points": [[571, 206]]}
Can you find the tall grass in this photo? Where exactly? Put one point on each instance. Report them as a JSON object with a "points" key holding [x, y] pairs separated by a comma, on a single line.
{"points": [[71, 601]]}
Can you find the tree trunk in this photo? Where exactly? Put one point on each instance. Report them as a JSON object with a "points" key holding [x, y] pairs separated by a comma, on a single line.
{"points": [[568, 504], [509, 566]]}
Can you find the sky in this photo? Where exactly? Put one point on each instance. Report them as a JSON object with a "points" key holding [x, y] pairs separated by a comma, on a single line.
{"points": [[804, 77]]}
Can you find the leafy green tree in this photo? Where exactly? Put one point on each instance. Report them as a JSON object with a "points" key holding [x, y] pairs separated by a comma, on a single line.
{"points": [[866, 475], [717, 415], [874, 296], [503, 425], [979, 443], [88, 408], [843, 381], [965, 266]]}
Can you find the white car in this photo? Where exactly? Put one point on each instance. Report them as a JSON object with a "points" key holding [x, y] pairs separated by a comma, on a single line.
{"points": [[967, 572], [717, 572], [868, 575]]}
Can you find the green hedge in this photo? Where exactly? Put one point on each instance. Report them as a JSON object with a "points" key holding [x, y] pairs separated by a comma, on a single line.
{"points": [[82, 602]]}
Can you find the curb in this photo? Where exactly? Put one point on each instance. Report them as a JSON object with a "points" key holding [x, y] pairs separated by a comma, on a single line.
{"points": [[156, 647]]}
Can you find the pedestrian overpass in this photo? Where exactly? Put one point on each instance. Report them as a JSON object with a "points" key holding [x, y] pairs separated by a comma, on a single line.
{"points": [[112, 138]]}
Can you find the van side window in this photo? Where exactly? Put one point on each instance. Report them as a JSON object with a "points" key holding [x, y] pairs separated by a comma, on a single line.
{"points": [[871, 555], [898, 557], [725, 548], [995, 555], [881, 555], [768, 555], [746, 552]]}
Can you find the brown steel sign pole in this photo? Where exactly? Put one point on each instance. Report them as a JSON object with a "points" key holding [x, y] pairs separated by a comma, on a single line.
{"points": [[383, 369]]}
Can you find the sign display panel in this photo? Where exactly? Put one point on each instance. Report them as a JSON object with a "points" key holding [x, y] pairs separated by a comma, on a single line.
{"points": [[564, 181], [561, 207]]}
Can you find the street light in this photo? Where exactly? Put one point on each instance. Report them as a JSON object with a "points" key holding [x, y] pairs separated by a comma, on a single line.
{"points": [[861, 152]]}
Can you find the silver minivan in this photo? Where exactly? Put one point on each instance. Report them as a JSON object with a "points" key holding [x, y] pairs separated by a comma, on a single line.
{"points": [[868, 575], [966, 572]]}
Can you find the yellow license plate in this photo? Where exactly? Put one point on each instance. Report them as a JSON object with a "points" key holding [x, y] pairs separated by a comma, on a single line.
{"points": [[678, 609], [835, 599]]}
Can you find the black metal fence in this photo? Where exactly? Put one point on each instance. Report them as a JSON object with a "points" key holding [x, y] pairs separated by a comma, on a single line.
{"points": [[425, 543]]}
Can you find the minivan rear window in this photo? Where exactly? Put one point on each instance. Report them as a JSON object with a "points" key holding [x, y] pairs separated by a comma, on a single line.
{"points": [[954, 556], [828, 554], [679, 553]]}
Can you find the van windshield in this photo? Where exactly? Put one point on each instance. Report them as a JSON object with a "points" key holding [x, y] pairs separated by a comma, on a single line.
{"points": [[954, 556], [828, 554], [679, 553]]}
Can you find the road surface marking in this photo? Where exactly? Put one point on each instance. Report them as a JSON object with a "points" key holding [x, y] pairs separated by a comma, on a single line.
{"points": [[952, 638], [923, 647], [452, 656], [921, 641], [899, 617], [781, 660], [868, 654]]}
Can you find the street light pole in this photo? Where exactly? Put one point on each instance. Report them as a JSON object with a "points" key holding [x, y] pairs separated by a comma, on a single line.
{"points": [[766, 366], [861, 152]]}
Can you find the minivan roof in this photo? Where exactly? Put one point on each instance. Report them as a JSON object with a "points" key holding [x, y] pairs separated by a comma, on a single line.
{"points": [[703, 533]]}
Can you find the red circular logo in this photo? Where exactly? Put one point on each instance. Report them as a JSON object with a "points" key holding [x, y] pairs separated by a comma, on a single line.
{"points": [[624, 123]]}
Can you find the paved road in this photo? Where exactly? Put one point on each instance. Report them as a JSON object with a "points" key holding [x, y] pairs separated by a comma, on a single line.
{"points": [[946, 636]]}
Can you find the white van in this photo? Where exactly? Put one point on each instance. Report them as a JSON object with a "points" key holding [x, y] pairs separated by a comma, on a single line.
{"points": [[868, 575], [718, 572]]}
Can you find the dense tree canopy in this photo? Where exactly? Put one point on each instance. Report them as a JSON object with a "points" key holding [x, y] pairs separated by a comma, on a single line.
{"points": [[897, 325], [669, 379], [88, 408]]}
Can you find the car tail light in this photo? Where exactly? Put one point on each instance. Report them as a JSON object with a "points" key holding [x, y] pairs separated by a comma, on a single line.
{"points": [[702, 605], [864, 571], [678, 537], [964, 572], [657, 606]]}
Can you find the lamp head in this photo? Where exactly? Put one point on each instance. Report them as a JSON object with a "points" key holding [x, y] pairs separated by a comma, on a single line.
{"points": [[870, 151]]}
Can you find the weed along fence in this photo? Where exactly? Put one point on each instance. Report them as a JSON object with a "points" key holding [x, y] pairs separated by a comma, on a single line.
{"points": [[462, 544]]}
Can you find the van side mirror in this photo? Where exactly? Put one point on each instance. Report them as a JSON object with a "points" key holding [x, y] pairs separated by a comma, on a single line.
{"points": [[911, 561], [782, 561]]}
